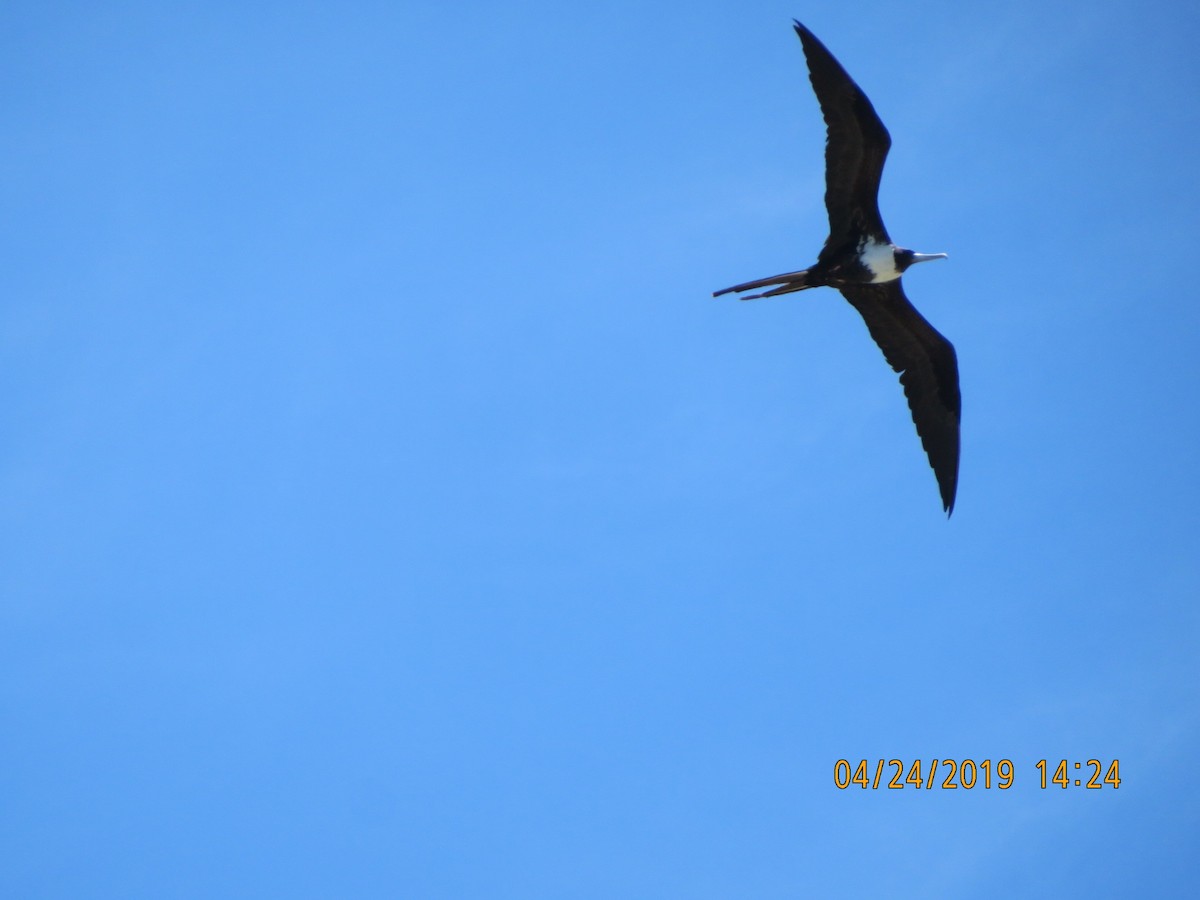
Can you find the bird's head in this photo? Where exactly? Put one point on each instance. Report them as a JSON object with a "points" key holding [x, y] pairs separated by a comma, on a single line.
{"points": [[906, 258]]}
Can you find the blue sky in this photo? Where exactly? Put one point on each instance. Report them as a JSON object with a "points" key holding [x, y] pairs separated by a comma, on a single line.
{"points": [[387, 510]]}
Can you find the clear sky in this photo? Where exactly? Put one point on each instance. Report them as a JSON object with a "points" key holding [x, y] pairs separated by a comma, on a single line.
{"points": [[388, 510]]}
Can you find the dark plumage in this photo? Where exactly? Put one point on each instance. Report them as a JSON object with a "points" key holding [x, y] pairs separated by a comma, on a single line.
{"points": [[860, 260]]}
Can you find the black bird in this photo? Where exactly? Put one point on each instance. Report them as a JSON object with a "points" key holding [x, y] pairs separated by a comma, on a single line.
{"points": [[860, 260]]}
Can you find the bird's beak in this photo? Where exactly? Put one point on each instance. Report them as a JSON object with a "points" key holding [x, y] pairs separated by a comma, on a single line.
{"points": [[926, 257]]}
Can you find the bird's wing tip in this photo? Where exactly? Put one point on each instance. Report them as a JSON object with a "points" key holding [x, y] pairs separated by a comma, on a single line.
{"points": [[948, 503]]}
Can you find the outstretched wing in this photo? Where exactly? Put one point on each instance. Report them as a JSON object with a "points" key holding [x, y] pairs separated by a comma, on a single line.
{"points": [[856, 146], [928, 370]]}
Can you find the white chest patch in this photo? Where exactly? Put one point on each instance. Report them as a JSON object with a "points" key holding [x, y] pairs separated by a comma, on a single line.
{"points": [[880, 259]]}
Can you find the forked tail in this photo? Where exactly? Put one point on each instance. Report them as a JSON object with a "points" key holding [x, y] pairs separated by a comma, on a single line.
{"points": [[792, 281]]}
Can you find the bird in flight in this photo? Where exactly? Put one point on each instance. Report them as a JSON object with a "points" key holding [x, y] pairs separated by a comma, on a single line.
{"points": [[860, 260]]}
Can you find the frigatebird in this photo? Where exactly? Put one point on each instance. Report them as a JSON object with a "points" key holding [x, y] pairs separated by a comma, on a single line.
{"points": [[860, 260]]}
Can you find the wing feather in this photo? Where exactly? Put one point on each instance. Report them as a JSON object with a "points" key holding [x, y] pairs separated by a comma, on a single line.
{"points": [[928, 368], [856, 147]]}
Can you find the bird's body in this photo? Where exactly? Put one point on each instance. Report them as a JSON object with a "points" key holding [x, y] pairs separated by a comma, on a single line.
{"points": [[860, 260]]}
